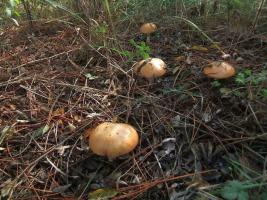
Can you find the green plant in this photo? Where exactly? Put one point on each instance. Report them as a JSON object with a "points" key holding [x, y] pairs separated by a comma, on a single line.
{"points": [[102, 29], [242, 77], [12, 10], [107, 8], [235, 190], [216, 83], [264, 93], [142, 49], [60, 6], [247, 83]]}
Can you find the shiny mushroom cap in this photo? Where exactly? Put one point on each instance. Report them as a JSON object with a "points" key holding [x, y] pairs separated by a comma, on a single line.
{"points": [[112, 139], [150, 68], [219, 70], [148, 28]]}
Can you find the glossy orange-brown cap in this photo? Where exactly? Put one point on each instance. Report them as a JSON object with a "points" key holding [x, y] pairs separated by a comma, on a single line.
{"points": [[112, 139], [148, 28], [219, 70], [150, 68]]}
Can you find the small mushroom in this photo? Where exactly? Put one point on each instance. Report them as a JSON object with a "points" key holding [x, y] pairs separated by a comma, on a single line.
{"points": [[150, 68], [112, 139], [219, 70], [147, 29]]}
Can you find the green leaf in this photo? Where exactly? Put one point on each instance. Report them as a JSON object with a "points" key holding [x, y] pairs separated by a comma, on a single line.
{"points": [[234, 190], [243, 195], [145, 56], [40, 131], [264, 93], [132, 42], [238, 93], [16, 13], [8, 12], [102, 194], [12, 3], [247, 72], [102, 29], [263, 195], [240, 79], [90, 76], [126, 53], [216, 84], [142, 50], [260, 77]]}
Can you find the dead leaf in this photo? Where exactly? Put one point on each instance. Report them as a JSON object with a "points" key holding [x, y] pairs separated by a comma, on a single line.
{"points": [[61, 189], [226, 56], [114, 119], [175, 70], [215, 45], [71, 126], [199, 48], [6, 132], [7, 187], [179, 58], [102, 194], [58, 112], [188, 60], [61, 149], [177, 121], [197, 182], [77, 118]]}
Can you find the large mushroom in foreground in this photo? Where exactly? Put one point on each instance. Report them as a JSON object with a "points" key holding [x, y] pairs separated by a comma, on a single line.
{"points": [[112, 139], [219, 70], [150, 68], [148, 28]]}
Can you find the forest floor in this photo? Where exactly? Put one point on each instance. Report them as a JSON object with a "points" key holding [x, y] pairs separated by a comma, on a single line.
{"points": [[195, 133]]}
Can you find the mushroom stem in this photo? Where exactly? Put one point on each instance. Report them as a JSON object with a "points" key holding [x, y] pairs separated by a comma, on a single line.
{"points": [[150, 80], [148, 39], [150, 83]]}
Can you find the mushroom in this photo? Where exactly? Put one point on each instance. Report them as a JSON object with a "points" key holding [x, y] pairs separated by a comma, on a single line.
{"points": [[219, 70], [112, 139], [150, 68], [147, 29]]}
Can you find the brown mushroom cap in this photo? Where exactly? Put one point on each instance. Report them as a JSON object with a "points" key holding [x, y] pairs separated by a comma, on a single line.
{"points": [[150, 68], [112, 139], [148, 28], [219, 70]]}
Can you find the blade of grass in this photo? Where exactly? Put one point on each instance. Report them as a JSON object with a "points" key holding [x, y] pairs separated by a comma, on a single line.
{"points": [[202, 32]]}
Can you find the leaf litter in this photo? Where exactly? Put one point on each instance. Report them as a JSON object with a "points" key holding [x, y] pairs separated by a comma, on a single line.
{"points": [[59, 87]]}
